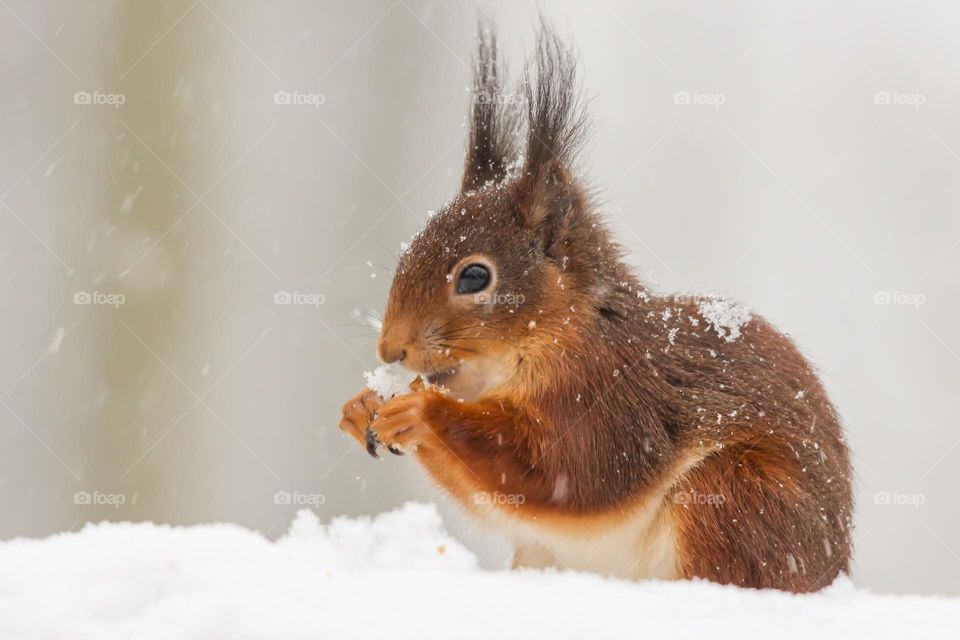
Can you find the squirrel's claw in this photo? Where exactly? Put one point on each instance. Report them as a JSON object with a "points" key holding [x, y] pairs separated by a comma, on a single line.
{"points": [[372, 444], [395, 450]]}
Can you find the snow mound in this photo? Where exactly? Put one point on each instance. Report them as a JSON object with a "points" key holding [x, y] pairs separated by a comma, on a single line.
{"points": [[411, 538], [399, 575]]}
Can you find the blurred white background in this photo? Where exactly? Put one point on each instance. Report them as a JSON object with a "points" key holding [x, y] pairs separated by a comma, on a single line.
{"points": [[803, 157]]}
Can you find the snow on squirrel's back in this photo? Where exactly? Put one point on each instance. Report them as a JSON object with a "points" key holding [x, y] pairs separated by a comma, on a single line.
{"points": [[399, 575]]}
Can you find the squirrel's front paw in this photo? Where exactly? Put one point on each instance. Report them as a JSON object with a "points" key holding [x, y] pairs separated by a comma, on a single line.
{"points": [[402, 423], [358, 413]]}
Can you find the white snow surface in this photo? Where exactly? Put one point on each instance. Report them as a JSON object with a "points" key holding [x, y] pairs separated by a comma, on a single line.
{"points": [[399, 575]]}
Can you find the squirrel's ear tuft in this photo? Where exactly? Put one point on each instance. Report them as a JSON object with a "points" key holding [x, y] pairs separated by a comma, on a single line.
{"points": [[556, 119], [491, 140], [556, 127]]}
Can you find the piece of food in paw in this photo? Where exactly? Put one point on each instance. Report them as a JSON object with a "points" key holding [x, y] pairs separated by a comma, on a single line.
{"points": [[391, 380]]}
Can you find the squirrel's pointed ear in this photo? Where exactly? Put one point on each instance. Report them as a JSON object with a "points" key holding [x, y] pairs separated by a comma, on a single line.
{"points": [[490, 142], [551, 203], [549, 195]]}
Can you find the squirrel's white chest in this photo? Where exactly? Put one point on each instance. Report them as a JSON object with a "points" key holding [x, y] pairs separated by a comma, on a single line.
{"points": [[639, 543], [643, 546]]}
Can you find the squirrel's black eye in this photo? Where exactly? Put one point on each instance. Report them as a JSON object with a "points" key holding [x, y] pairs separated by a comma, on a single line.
{"points": [[473, 278]]}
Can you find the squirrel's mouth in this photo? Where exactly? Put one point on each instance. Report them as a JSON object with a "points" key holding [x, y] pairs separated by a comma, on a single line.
{"points": [[441, 377]]}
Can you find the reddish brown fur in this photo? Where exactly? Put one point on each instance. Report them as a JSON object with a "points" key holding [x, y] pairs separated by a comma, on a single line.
{"points": [[607, 388]]}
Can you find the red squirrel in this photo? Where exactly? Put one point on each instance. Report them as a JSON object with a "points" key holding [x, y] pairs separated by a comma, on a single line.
{"points": [[601, 426]]}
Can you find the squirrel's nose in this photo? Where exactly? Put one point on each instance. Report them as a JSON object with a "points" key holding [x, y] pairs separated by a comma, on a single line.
{"points": [[389, 352]]}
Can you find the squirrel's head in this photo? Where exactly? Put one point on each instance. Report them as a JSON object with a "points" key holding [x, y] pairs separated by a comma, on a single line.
{"points": [[502, 267]]}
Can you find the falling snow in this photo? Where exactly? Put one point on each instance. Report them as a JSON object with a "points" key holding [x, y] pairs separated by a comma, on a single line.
{"points": [[57, 340], [129, 200]]}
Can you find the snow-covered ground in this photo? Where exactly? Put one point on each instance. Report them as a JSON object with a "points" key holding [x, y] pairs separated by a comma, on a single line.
{"points": [[399, 575]]}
